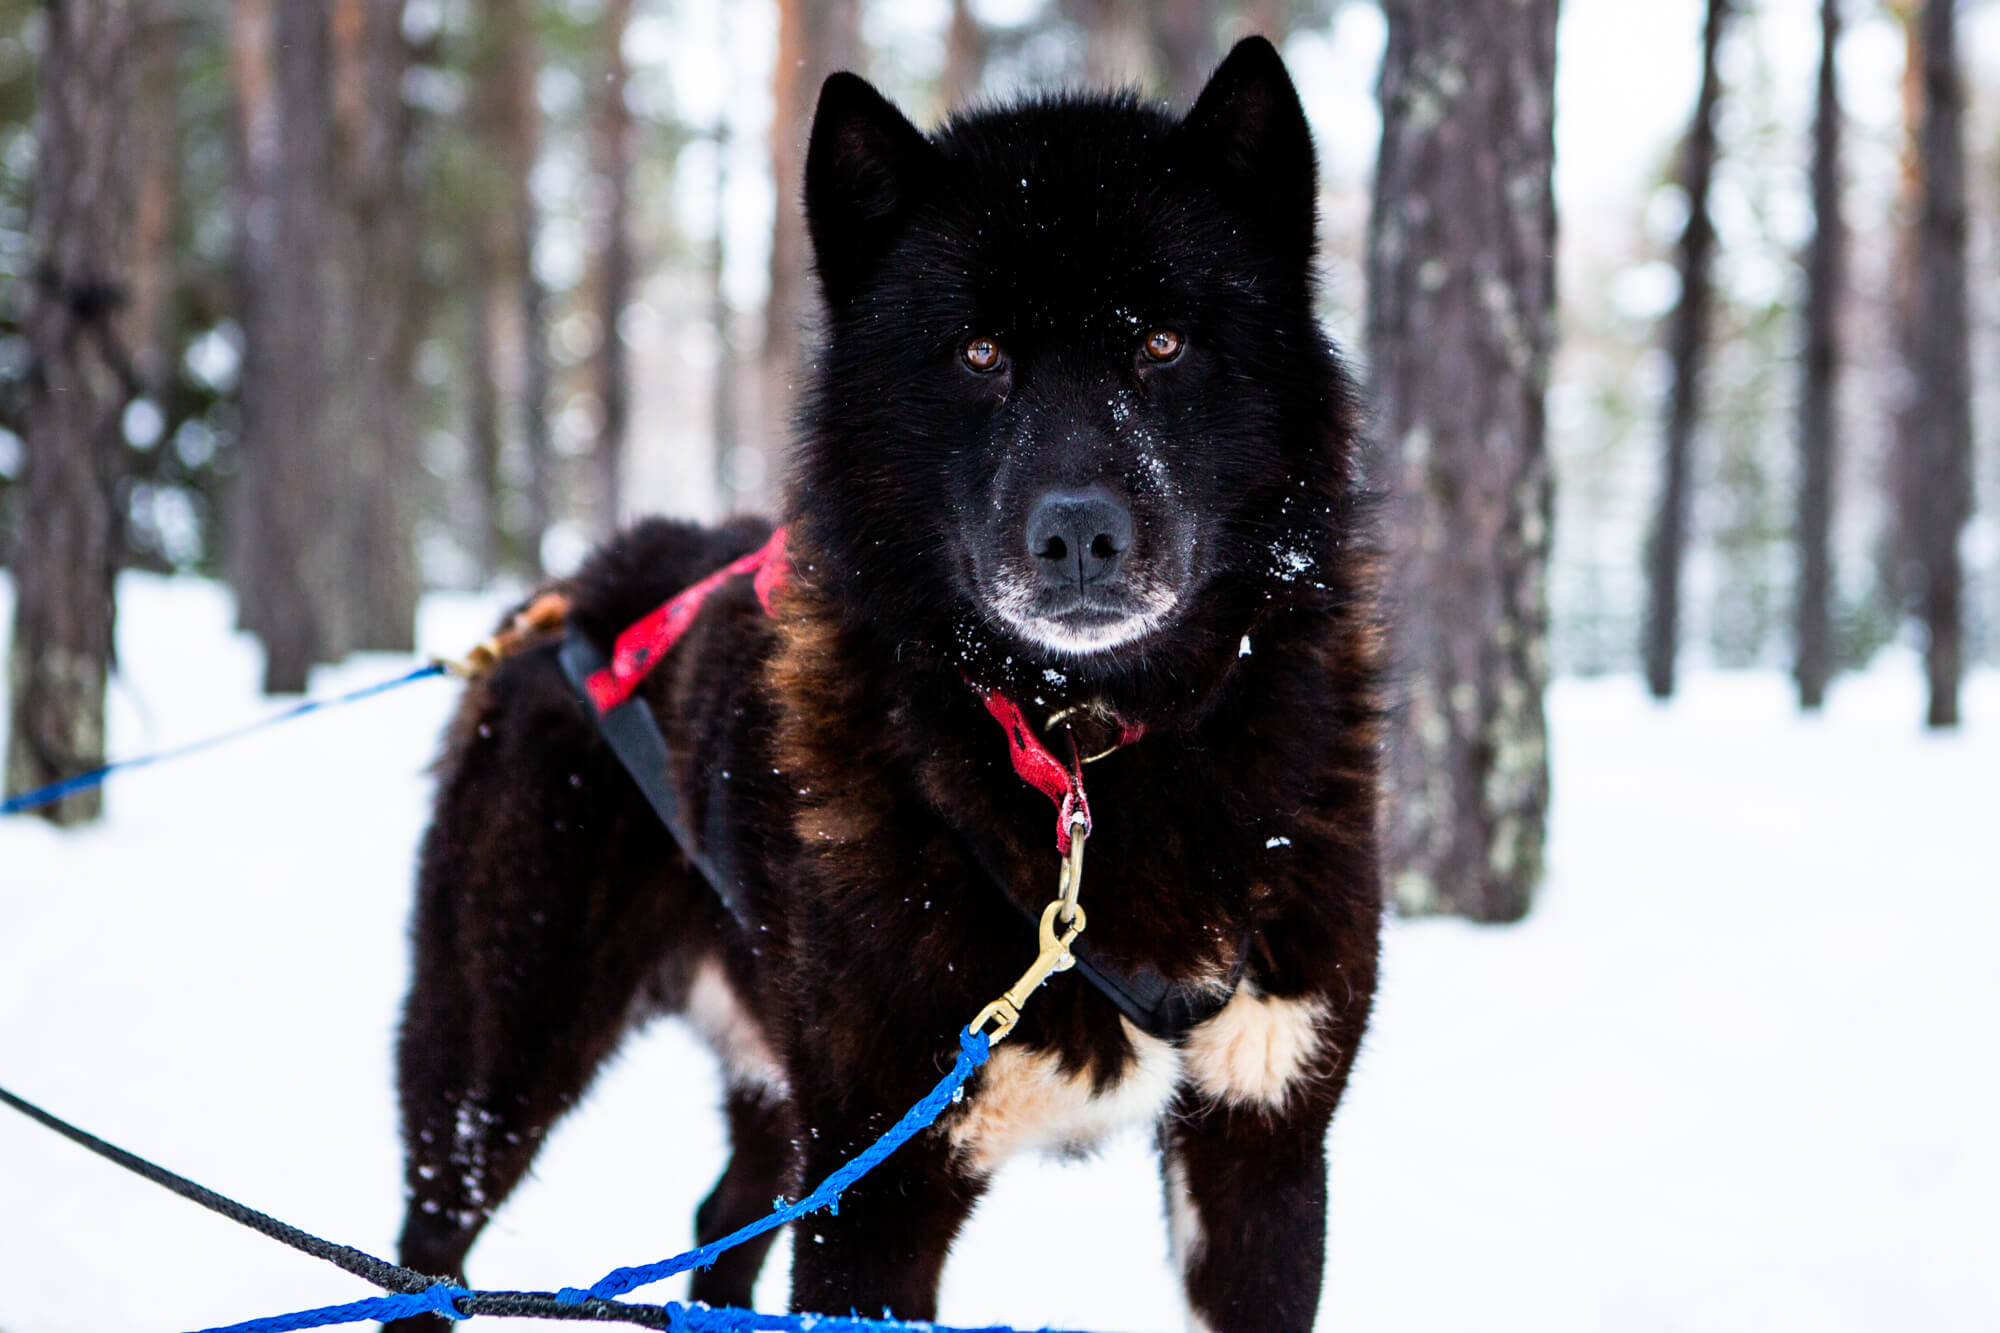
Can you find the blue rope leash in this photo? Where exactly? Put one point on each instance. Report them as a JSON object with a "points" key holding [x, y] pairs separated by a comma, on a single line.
{"points": [[973, 1048], [413, 1293], [438, 1300], [55, 791]]}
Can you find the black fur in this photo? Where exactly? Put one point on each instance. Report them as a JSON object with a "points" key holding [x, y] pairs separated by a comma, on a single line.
{"points": [[843, 755]]}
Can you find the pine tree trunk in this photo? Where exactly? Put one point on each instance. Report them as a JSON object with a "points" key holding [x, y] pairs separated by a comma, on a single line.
{"points": [[614, 265], [724, 428], [1826, 264], [79, 381], [1899, 554], [1686, 350], [1116, 44], [523, 145], [490, 291], [1461, 329], [149, 319], [292, 527], [482, 406], [1941, 361], [1184, 43], [965, 47], [378, 290], [815, 38]]}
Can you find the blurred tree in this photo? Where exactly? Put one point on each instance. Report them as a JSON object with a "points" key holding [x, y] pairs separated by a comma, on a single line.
{"points": [[815, 38], [492, 205], [281, 240], [1826, 264], [149, 317], [79, 381], [1186, 45], [325, 238], [1461, 331], [1117, 40], [966, 43], [286, 564], [614, 262], [1686, 343], [1939, 359], [375, 258]]}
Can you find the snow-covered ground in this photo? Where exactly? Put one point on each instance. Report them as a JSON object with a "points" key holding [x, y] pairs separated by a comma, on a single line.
{"points": [[1736, 1072]]}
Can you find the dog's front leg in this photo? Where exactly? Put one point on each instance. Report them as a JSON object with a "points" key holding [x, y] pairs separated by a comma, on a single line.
{"points": [[883, 1253], [1246, 1207]]}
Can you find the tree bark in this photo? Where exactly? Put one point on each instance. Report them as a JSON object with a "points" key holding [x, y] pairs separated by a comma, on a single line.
{"points": [[377, 288], [1184, 43], [815, 38], [1899, 548], [965, 46], [1941, 361], [1116, 43], [1686, 350], [1461, 330], [78, 384], [724, 429], [150, 317], [1826, 265], [523, 143], [614, 266], [293, 559]]}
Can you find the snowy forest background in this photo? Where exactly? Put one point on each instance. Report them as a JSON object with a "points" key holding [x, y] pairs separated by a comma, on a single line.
{"points": [[1725, 1073], [539, 173]]}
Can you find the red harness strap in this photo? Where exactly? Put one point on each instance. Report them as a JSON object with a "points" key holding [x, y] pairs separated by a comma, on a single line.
{"points": [[646, 641]]}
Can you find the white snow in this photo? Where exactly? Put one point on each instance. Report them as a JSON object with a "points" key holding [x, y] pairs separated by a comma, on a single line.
{"points": [[1736, 1071]]}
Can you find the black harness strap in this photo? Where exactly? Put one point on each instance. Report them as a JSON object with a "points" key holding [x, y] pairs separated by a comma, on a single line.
{"points": [[634, 736], [1155, 1005]]}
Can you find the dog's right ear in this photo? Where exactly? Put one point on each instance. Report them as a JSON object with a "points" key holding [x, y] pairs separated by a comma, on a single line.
{"points": [[862, 167]]}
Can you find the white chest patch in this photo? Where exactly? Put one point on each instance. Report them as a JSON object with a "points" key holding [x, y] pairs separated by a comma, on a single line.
{"points": [[726, 1025], [1256, 1050], [1027, 1100]]}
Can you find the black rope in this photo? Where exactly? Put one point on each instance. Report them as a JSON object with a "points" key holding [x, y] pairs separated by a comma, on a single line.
{"points": [[380, 1272]]}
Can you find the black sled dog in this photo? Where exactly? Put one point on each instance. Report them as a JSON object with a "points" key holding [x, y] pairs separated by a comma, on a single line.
{"points": [[1074, 446]]}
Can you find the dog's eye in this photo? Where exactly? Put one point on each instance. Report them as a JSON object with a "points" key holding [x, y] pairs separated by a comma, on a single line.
{"points": [[1162, 345], [982, 354]]}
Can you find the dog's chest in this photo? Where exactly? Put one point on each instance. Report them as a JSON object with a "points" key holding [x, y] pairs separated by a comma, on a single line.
{"points": [[1255, 1053], [1025, 1100]]}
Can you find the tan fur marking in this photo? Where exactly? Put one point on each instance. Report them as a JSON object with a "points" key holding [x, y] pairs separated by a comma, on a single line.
{"points": [[1026, 1100], [1256, 1049], [726, 1025]]}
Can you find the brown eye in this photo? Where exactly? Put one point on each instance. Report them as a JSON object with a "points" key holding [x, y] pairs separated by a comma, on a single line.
{"points": [[1162, 345], [981, 354]]}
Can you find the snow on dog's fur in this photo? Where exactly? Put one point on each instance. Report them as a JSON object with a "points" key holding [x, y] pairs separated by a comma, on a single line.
{"points": [[1072, 433]]}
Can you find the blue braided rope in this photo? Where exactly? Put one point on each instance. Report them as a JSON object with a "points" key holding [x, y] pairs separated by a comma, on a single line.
{"points": [[55, 791], [438, 1300], [973, 1048], [707, 1319]]}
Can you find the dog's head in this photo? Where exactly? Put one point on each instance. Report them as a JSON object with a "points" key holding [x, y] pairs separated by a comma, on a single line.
{"points": [[1070, 390]]}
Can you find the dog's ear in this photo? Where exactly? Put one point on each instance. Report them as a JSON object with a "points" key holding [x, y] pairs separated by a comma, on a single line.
{"points": [[1248, 127], [862, 167]]}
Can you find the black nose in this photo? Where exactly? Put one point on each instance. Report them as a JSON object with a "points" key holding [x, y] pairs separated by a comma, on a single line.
{"points": [[1078, 537]]}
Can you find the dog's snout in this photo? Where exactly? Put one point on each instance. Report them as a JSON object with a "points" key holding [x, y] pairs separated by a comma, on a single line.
{"points": [[1078, 537]]}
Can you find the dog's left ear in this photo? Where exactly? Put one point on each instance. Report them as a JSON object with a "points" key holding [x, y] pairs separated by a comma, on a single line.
{"points": [[863, 166], [1248, 127]]}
